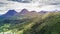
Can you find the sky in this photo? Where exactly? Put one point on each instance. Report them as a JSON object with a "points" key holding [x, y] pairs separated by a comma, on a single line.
{"points": [[37, 5]]}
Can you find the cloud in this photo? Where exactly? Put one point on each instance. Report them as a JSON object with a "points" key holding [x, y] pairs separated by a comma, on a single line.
{"points": [[50, 7], [8, 5], [3, 4], [50, 1], [37, 5], [22, 1]]}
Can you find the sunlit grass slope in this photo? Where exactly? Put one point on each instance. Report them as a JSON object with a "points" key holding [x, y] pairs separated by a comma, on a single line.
{"points": [[48, 23]]}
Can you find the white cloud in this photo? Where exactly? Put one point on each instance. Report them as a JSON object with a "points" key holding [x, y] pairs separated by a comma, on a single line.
{"points": [[34, 5], [18, 6], [50, 7]]}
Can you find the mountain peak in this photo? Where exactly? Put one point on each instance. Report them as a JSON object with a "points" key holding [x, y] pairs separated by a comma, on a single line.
{"points": [[24, 11], [8, 14], [11, 12]]}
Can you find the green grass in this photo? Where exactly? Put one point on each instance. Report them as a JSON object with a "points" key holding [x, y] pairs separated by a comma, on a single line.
{"points": [[48, 23]]}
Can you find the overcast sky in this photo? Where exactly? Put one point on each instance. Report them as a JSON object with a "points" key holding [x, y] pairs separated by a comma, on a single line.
{"points": [[38, 5]]}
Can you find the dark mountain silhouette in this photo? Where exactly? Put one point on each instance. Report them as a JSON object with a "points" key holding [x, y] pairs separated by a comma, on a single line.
{"points": [[24, 11], [8, 14], [11, 12]]}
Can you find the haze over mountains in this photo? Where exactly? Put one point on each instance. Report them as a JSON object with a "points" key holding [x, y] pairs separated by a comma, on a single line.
{"points": [[23, 12], [12, 12]]}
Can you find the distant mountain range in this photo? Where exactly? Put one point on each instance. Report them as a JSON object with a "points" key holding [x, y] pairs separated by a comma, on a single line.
{"points": [[8, 14], [23, 13]]}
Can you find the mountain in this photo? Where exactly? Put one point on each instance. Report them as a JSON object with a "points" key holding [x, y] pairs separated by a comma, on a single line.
{"points": [[33, 13], [8, 14], [43, 12], [11, 12], [24, 11], [48, 23], [27, 13], [45, 24]]}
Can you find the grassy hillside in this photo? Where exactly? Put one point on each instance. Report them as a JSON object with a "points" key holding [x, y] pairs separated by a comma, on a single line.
{"points": [[48, 23]]}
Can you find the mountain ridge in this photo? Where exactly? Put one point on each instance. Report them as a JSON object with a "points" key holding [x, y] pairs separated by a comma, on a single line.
{"points": [[8, 14], [23, 12]]}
